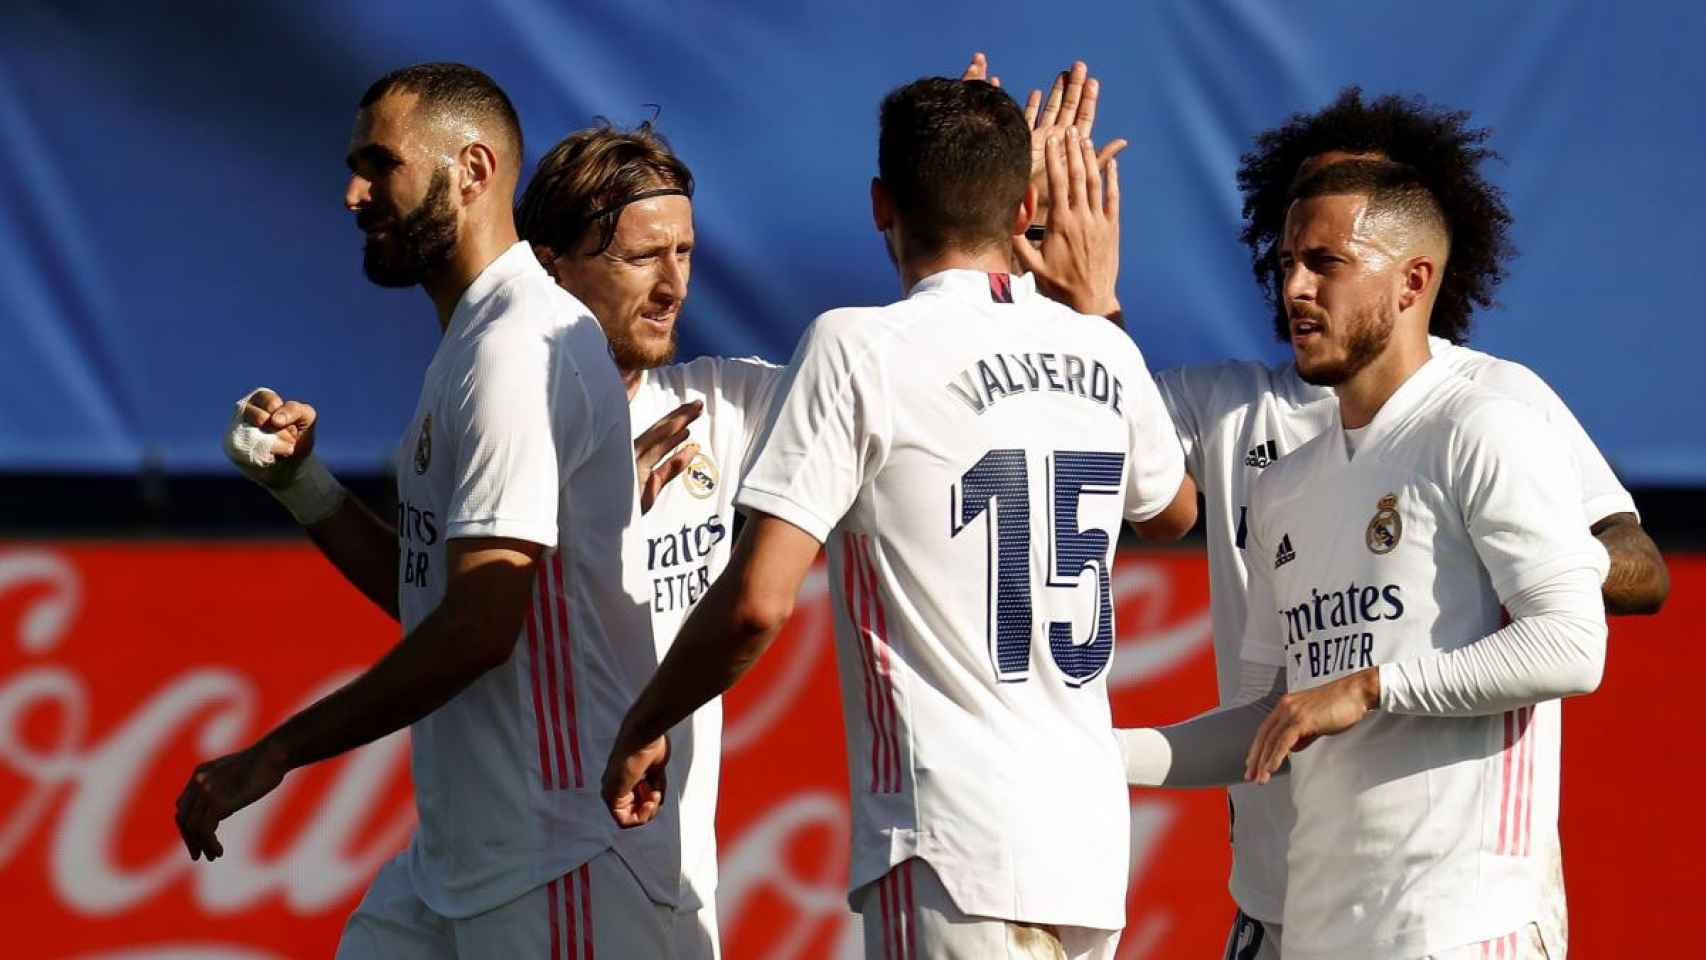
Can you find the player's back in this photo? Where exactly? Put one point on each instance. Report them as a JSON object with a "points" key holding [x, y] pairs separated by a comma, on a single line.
{"points": [[998, 441]]}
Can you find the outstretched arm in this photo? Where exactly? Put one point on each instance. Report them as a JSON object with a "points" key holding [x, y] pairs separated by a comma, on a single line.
{"points": [[724, 636], [486, 598], [1208, 750]]}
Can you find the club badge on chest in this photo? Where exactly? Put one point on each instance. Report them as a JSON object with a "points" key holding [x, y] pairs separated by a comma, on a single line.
{"points": [[1387, 527]]}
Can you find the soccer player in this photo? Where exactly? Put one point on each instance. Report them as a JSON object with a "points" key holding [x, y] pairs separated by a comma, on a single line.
{"points": [[521, 642], [1237, 417], [1424, 812], [967, 455], [610, 215]]}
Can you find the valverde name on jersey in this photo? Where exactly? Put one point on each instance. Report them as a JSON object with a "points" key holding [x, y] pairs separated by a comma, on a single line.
{"points": [[980, 386]]}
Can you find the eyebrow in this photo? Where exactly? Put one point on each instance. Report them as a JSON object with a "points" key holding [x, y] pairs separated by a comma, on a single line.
{"points": [[374, 153]]}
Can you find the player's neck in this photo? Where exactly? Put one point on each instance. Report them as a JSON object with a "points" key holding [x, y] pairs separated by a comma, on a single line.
{"points": [[1362, 396], [631, 381], [992, 260], [473, 253]]}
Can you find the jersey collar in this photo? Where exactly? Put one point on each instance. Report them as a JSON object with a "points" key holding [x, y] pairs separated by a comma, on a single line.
{"points": [[517, 261], [1407, 399], [971, 284]]}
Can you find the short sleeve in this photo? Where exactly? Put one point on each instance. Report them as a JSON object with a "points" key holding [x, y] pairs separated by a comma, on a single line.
{"points": [[1262, 641], [1522, 512], [811, 461], [499, 419], [1174, 385], [752, 384], [1156, 465], [1602, 493]]}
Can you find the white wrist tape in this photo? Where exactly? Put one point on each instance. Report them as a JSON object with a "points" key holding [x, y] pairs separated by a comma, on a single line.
{"points": [[313, 494]]}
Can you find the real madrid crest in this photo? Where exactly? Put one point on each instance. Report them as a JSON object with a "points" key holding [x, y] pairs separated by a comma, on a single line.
{"points": [[423, 447], [1387, 527], [701, 476]]}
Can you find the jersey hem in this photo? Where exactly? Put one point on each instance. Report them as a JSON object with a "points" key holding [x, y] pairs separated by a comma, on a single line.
{"points": [[784, 508], [544, 534]]}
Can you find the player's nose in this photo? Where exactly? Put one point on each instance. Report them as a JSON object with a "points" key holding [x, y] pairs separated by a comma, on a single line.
{"points": [[358, 190]]}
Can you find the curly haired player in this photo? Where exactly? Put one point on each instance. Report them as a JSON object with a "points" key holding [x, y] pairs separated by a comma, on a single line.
{"points": [[1237, 418]]}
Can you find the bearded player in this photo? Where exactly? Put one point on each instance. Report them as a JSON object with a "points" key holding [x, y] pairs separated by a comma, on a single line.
{"points": [[964, 508], [1237, 418], [609, 214], [515, 489], [1415, 723]]}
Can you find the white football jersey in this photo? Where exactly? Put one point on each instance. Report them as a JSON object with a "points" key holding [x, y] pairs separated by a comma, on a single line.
{"points": [[684, 543], [522, 432], [967, 455], [1235, 419], [1414, 834]]}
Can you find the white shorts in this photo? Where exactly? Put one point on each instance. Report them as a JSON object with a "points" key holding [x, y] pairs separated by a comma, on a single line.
{"points": [[1525, 944], [595, 911], [908, 915], [1252, 939]]}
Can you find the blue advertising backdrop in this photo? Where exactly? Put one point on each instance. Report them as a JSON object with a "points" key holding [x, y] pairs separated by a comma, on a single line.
{"points": [[172, 231]]}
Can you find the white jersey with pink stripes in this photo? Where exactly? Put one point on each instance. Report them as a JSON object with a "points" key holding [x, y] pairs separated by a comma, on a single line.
{"points": [[683, 544], [522, 433], [967, 456], [1399, 540]]}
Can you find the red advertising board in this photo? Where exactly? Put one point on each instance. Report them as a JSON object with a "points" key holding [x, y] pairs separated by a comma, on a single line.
{"points": [[123, 665]]}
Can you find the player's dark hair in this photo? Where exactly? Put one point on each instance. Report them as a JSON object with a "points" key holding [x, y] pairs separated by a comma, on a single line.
{"points": [[1394, 187], [455, 89], [1446, 153], [583, 182], [956, 157]]}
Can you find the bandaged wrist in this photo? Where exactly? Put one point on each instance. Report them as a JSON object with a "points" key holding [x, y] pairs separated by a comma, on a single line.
{"points": [[312, 495]]}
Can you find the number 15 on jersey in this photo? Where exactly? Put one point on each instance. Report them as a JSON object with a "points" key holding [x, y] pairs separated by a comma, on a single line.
{"points": [[998, 489]]}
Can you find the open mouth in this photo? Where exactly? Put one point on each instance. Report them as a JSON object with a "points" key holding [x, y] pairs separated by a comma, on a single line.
{"points": [[1303, 328]]}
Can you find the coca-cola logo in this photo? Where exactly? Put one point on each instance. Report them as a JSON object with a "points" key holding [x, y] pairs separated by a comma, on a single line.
{"points": [[90, 756]]}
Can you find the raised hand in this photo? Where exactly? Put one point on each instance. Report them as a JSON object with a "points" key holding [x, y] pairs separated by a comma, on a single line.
{"points": [[978, 69], [219, 788], [651, 464], [1078, 260], [633, 784], [1071, 104], [269, 439]]}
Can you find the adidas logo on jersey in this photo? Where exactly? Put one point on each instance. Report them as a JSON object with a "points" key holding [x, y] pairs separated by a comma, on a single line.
{"points": [[1262, 454], [1285, 554]]}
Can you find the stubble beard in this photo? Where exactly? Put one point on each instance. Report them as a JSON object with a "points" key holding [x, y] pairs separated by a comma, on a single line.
{"points": [[633, 353], [422, 240], [1370, 330]]}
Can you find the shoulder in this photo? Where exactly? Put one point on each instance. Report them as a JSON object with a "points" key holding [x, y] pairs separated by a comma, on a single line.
{"points": [[1225, 385], [1501, 376], [1471, 417]]}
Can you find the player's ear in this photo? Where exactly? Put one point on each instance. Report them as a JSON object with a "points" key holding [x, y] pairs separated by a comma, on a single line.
{"points": [[882, 205], [1418, 277], [479, 168], [1027, 212]]}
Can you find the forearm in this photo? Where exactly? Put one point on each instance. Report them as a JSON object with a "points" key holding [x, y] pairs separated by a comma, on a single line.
{"points": [[1638, 582], [422, 673], [1553, 647], [1207, 750], [364, 549], [705, 660]]}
